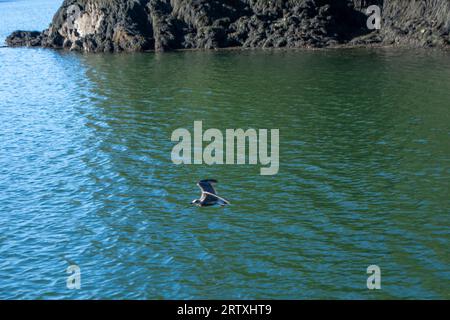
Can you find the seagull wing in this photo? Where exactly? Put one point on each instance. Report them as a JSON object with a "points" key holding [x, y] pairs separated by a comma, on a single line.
{"points": [[223, 200], [208, 191], [209, 194], [207, 185]]}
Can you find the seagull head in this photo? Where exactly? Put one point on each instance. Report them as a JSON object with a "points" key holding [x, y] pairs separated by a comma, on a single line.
{"points": [[196, 202]]}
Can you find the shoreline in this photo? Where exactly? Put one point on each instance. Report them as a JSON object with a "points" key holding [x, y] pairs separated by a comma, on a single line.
{"points": [[245, 49]]}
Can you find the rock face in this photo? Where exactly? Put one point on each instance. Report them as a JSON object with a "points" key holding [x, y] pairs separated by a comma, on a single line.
{"points": [[138, 25], [424, 23]]}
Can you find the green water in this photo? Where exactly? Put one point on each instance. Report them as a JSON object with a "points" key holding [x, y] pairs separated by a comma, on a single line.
{"points": [[86, 176]]}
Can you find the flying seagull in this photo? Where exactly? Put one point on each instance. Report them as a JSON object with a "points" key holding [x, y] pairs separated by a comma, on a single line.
{"points": [[209, 196]]}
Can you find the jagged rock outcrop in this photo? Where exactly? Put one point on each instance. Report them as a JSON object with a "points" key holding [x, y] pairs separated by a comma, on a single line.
{"points": [[139, 25], [424, 23]]}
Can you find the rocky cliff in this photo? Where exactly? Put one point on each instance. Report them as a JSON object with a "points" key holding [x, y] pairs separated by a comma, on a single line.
{"points": [[416, 22], [138, 25]]}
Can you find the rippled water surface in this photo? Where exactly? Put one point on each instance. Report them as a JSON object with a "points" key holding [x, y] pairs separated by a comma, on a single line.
{"points": [[86, 176]]}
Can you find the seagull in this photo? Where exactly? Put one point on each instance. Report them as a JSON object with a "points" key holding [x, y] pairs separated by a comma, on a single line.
{"points": [[209, 196]]}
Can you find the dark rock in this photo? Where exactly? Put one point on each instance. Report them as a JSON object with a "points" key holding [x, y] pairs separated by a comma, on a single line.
{"points": [[416, 23], [162, 25], [24, 38]]}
